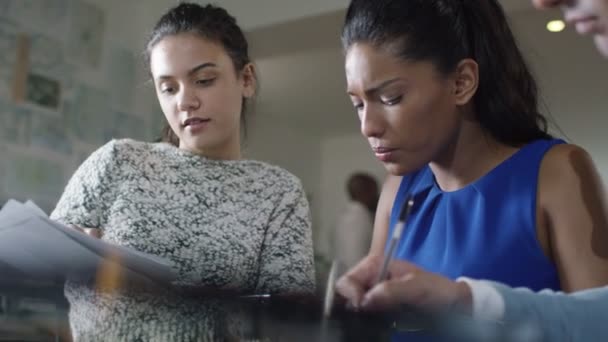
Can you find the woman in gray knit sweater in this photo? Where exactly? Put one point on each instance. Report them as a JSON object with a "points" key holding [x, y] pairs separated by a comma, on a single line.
{"points": [[223, 221]]}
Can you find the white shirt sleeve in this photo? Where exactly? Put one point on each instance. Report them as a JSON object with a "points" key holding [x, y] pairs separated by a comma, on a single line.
{"points": [[353, 235], [488, 303]]}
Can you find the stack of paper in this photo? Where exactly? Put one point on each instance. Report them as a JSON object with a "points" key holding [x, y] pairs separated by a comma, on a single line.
{"points": [[41, 248]]}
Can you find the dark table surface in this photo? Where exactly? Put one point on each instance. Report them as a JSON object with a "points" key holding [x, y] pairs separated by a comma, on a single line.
{"points": [[275, 318]]}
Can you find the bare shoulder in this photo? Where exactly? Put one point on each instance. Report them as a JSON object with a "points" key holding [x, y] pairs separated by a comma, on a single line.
{"points": [[568, 166], [570, 191], [566, 155], [387, 196], [383, 213], [572, 199], [391, 186]]}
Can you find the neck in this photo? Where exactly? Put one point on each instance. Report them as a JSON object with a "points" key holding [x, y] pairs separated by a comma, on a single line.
{"points": [[472, 154], [230, 151]]}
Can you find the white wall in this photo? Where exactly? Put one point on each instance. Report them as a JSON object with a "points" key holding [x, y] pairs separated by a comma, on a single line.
{"points": [[275, 141], [41, 147], [574, 82], [130, 32], [341, 156]]}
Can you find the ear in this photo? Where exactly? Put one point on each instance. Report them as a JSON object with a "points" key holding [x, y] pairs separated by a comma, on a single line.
{"points": [[248, 76], [466, 81]]}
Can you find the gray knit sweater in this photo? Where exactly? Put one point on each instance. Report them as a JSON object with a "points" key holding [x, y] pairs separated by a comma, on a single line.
{"points": [[229, 224]]}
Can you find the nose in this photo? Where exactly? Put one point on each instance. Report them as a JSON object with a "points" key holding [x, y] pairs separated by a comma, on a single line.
{"points": [[544, 4], [187, 100], [372, 124]]}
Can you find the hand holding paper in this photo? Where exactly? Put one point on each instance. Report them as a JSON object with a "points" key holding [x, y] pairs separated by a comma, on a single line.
{"points": [[43, 249]]}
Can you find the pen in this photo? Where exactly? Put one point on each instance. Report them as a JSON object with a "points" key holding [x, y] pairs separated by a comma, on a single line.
{"points": [[328, 301], [392, 247]]}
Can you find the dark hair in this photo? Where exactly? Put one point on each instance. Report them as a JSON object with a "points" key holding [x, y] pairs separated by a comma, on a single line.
{"points": [[360, 183], [210, 22], [363, 188], [445, 32]]}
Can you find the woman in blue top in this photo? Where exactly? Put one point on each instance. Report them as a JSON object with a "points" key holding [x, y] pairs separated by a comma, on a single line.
{"points": [[450, 107]]}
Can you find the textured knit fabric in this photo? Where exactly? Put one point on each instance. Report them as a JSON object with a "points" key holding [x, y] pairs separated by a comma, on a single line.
{"points": [[238, 224], [486, 230]]}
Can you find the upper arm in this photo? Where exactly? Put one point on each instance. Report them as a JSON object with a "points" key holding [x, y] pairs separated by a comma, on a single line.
{"points": [[287, 258], [573, 203], [87, 194], [383, 213]]}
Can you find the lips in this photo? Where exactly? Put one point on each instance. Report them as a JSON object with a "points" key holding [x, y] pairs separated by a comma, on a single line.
{"points": [[382, 150], [385, 154], [193, 121]]}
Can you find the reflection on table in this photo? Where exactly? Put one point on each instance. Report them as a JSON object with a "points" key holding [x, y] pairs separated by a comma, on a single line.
{"points": [[32, 311]]}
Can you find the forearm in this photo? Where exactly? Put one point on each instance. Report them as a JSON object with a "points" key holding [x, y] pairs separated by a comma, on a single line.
{"points": [[287, 258], [560, 317]]}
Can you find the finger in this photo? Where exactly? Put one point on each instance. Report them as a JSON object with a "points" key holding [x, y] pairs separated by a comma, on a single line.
{"points": [[366, 271], [351, 290], [109, 274], [381, 297], [359, 279], [400, 268], [94, 232], [80, 229], [391, 294]]}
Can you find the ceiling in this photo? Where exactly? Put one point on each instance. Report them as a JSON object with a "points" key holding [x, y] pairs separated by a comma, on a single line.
{"points": [[257, 13]]}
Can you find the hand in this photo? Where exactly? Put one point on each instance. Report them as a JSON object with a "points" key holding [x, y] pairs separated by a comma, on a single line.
{"points": [[94, 232], [406, 284], [360, 279]]}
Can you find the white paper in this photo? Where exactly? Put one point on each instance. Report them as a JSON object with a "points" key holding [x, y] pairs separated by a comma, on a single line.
{"points": [[39, 247]]}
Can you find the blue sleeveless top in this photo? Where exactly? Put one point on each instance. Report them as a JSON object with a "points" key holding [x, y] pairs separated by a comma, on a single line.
{"points": [[486, 230]]}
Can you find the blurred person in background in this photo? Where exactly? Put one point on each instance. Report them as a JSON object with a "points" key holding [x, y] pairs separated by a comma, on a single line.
{"points": [[353, 232]]}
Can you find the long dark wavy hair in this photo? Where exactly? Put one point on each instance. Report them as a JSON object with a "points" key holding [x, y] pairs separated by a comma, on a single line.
{"points": [[446, 32]]}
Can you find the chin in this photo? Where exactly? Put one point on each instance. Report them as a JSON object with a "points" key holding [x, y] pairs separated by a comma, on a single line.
{"points": [[399, 169], [195, 145]]}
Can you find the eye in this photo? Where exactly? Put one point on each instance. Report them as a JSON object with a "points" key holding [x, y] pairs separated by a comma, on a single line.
{"points": [[166, 88], [392, 101], [358, 105], [205, 81]]}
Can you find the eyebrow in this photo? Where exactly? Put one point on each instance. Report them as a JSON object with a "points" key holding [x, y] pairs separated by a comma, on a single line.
{"points": [[378, 87], [192, 71]]}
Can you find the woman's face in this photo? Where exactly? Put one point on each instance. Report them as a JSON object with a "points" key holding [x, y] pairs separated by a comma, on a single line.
{"points": [[201, 94], [408, 110]]}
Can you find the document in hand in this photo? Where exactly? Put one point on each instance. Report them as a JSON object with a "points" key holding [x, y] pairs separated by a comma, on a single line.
{"points": [[41, 248]]}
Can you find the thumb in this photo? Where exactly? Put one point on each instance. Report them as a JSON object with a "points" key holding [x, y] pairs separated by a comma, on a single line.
{"points": [[379, 298], [94, 232], [400, 268]]}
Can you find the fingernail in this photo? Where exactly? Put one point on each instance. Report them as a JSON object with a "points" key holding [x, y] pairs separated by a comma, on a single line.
{"points": [[365, 301]]}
